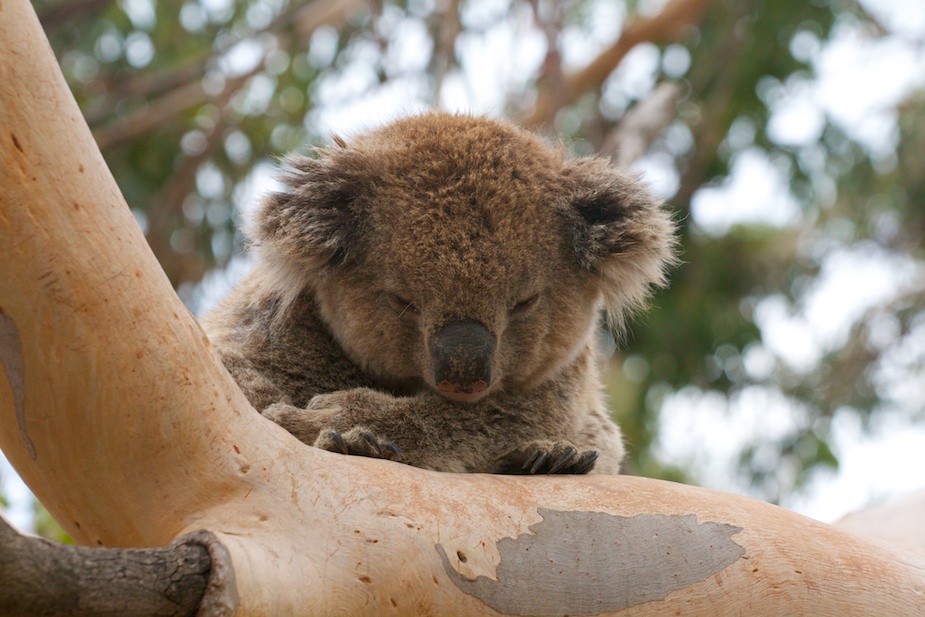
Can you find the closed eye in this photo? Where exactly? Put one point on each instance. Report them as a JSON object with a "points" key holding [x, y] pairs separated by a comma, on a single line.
{"points": [[524, 305], [401, 304]]}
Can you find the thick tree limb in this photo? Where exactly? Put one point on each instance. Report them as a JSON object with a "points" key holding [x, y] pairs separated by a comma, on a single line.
{"points": [[900, 520], [116, 411]]}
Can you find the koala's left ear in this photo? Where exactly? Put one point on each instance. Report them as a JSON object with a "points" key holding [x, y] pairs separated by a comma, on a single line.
{"points": [[315, 220], [620, 232], [312, 227]]}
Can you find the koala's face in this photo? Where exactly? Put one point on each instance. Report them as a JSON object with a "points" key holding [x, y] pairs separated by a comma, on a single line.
{"points": [[462, 287], [464, 254]]}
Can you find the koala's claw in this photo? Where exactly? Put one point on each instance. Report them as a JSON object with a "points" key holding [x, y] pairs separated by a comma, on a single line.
{"points": [[358, 442], [563, 460], [373, 442], [338, 440], [548, 458], [587, 464], [535, 461], [393, 453]]}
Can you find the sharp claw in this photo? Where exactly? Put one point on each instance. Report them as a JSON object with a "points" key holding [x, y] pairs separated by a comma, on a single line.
{"points": [[588, 464], [563, 460], [373, 442], [540, 460], [338, 440], [530, 459], [394, 453]]}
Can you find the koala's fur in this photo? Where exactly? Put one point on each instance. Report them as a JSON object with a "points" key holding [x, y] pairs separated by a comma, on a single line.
{"points": [[377, 245]]}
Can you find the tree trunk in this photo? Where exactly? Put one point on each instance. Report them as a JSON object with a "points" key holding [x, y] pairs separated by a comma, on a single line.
{"points": [[116, 411]]}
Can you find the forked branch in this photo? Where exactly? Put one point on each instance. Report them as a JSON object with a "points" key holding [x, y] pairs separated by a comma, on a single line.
{"points": [[116, 411]]}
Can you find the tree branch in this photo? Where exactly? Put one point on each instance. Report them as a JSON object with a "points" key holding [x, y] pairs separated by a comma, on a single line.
{"points": [[39, 577], [669, 24], [184, 91], [319, 13], [141, 88], [138, 435], [550, 83], [642, 125], [446, 26], [69, 11]]}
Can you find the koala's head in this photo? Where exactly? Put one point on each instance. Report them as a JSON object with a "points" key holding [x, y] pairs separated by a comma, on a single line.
{"points": [[462, 253]]}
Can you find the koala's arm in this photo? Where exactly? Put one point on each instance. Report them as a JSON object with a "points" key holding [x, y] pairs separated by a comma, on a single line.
{"points": [[257, 385], [536, 432], [286, 363]]}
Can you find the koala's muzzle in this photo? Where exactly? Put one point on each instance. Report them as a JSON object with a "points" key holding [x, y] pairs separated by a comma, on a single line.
{"points": [[461, 354]]}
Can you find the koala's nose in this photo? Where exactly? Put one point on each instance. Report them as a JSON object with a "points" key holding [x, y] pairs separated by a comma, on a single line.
{"points": [[462, 353]]}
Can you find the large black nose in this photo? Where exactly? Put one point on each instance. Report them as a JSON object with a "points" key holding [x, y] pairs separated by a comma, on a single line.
{"points": [[462, 352]]}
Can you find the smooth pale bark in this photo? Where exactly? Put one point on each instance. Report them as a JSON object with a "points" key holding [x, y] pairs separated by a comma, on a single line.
{"points": [[117, 413], [900, 521]]}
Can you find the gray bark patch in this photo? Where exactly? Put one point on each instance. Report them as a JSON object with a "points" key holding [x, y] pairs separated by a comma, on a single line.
{"points": [[587, 563], [11, 359]]}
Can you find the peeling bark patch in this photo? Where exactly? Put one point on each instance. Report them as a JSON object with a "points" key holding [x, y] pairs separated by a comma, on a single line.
{"points": [[587, 563], [11, 359]]}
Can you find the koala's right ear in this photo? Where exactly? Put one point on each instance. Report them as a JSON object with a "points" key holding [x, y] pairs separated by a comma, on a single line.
{"points": [[620, 233], [314, 224]]}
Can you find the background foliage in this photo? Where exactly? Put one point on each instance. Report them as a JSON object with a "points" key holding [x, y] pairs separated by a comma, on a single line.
{"points": [[190, 108]]}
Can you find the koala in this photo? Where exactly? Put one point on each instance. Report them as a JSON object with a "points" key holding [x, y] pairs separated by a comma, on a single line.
{"points": [[431, 293]]}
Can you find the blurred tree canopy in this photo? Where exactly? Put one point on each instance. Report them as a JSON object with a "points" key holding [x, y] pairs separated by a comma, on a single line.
{"points": [[191, 102]]}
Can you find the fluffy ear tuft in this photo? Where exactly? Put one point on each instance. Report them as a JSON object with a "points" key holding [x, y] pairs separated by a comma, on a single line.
{"points": [[620, 233], [301, 233]]}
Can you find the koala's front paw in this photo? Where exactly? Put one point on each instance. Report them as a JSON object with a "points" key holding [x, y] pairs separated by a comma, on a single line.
{"points": [[304, 425], [358, 442], [353, 404], [546, 457], [352, 413]]}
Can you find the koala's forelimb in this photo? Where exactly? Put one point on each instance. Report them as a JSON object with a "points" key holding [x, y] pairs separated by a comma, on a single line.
{"points": [[358, 441], [369, 423]]}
